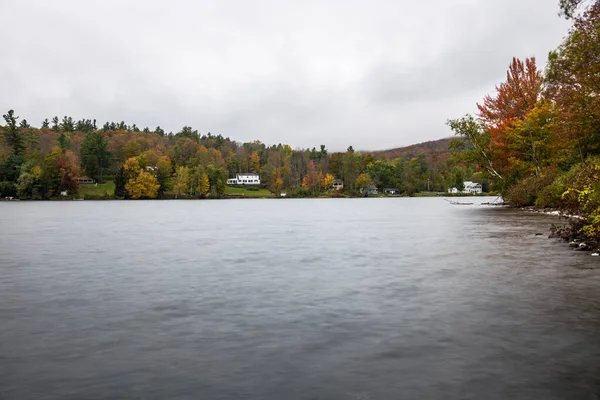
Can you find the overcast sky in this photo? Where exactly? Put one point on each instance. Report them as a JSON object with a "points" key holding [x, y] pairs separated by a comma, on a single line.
{"points": [[373, 74]]}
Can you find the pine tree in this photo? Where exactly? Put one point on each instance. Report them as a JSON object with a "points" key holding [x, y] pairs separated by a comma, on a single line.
{"points": [[55, 124], [12, 133], [64, 142], [120, 182], [94, 155], [67, 124]]}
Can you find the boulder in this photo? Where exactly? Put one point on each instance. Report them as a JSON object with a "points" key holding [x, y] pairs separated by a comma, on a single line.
{"points": [[583, 246]]}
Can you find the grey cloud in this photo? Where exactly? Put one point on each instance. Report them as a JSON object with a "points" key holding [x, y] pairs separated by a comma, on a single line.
{"points": [[373, 74]]}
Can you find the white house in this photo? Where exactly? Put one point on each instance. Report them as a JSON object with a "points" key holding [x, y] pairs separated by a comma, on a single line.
{"points": [[245, 179], [470, 187]]}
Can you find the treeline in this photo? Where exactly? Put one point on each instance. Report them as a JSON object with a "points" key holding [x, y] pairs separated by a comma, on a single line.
{"points": [[538, 138], [42, 163]]}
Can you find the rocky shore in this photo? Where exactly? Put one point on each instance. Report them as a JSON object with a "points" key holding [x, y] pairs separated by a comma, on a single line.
{"points": [[569, 231]]}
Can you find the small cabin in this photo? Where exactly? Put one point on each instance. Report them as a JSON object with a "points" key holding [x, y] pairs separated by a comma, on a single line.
{"points": [[370, 191], [338, 184]]}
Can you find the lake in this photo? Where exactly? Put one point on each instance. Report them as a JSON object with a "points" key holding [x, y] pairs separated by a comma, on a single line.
{"points": [[391, 298]]}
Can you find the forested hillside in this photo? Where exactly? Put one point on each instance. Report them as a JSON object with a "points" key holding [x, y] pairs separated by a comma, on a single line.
{"points": [[41, 162], [433, 150]]}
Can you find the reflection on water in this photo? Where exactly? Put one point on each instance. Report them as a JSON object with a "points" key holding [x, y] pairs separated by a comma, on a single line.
{"points": [[293, 299]]}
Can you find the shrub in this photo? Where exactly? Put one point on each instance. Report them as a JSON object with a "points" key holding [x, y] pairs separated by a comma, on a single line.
{"points": [[582, 195], [551, 195], [95, 196], [8, 189], [526, 192]]}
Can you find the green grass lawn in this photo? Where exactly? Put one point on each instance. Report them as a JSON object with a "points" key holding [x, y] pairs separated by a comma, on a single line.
{"points": [[243, 192], [100, 189]]}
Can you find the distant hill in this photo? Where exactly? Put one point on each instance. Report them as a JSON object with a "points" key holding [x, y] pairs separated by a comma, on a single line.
{"points": [[433, 150]]}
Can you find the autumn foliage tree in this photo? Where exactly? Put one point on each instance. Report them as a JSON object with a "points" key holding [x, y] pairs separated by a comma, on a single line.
{"points": [[143, 186], [573, 84], [363, 181], [514, 98], [204, 185], [313, 179], [276, 182], [254, 162], [140, 184], [327, 182], [182, 181]]}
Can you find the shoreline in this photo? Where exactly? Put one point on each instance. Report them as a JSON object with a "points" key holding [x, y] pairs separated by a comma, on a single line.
{"points": [[257, 197], [568, 232]]}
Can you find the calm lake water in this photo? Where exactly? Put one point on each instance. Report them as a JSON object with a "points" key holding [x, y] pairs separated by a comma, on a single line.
{"points": [[293, 299]]}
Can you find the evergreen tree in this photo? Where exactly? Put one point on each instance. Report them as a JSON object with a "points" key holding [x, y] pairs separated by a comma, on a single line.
{"points": [[55, 124], [12, 133], [67, 124], [120, 181], [94, 155], [45, 123], [84, 125], [11, 168], [64, 142]]}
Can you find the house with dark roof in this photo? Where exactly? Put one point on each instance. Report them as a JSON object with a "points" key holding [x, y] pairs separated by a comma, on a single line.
{"points": [[370, 191], [338, 184]]}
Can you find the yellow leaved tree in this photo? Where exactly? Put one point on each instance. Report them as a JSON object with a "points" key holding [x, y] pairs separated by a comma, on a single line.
{"points": [[182, 181], [143, 186], [204, 185], [255, 162], [276, 182], [328, 181], [140, 184]]}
